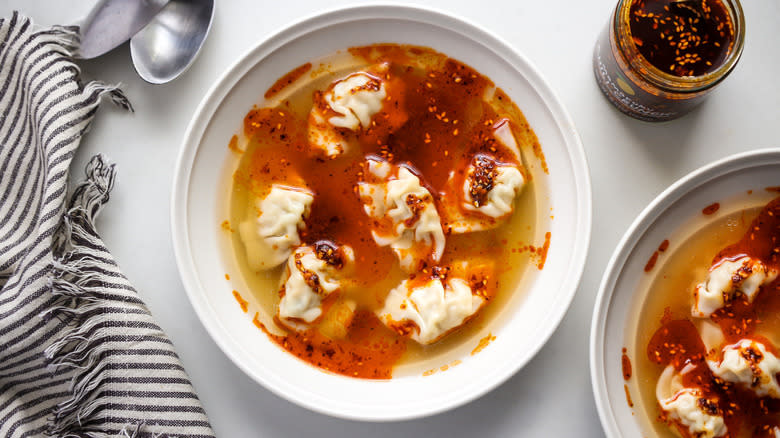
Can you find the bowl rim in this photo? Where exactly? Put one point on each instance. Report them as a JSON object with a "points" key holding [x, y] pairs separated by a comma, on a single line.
{"points": [[669, 196], [244, 63]]}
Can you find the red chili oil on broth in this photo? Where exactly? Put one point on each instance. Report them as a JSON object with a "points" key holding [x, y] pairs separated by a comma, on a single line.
{"points": [[673, 339], [369, 351], [711, 209], [625, 365], [434, 119]]}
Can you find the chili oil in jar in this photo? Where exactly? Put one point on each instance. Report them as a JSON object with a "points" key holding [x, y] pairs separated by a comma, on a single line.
{"points": [[657, 59]]}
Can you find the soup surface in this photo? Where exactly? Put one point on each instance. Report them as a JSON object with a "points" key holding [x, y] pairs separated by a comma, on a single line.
{"points": [[411, 119], [707, 370]]}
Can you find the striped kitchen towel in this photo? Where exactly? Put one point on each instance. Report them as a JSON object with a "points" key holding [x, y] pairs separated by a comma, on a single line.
{"points": [[80, 354]]}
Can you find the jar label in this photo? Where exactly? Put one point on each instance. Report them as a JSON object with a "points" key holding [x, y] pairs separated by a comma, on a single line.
{"points": [[624, 95]]}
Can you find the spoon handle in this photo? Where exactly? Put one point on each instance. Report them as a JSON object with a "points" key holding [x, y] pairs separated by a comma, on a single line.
{"points": [[112, 22]]}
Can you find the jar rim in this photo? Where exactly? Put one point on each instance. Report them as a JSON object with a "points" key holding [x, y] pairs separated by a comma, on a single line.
{"points": [[664, 80]]}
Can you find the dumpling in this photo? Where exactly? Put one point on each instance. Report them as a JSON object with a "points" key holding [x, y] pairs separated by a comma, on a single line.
{"points": [[502, 132], [711, 336], [348, 104], [425, 311], [314, 273], [271, 231], [687, 407], [748, 364], [323, 137], [373, 187], [725, 279], [405, 215], [485, 196], [490, 187], [356, 99]]}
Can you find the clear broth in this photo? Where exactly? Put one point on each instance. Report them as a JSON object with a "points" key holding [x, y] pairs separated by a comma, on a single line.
{"points": [[507, 245], [671, 290]]}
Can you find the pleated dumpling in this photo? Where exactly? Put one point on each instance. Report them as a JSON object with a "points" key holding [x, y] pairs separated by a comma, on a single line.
{"points": [[750, 365], [727, 277], [270, 231], [687, 407], [432, 303], [348, 104], [314, 273], [404, 213], [490, 187], [426, 311], [484, 195]]}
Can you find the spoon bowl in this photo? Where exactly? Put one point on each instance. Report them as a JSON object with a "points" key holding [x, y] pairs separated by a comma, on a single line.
{"points": [[168, 45]]}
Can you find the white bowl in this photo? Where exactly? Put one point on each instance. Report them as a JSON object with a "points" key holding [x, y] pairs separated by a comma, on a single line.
{"points": [[201, 191], [674, 215]]}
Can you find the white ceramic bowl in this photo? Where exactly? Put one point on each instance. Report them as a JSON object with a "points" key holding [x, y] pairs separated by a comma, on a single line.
{"points": [[674, 215], [201, 190]]}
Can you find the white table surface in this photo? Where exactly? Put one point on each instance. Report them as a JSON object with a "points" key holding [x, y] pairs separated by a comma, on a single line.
{"points": [[630, 162]]}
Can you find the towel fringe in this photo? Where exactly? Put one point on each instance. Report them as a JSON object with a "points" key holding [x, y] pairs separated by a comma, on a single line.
{"points": [[65, 38], [76, 285], [111, 92]]}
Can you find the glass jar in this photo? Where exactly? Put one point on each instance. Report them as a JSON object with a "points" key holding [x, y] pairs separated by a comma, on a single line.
{"points": [[643, 90]]}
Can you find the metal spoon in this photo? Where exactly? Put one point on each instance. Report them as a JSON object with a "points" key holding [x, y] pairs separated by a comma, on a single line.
{"points": [[168, 45], [112, 22]]}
